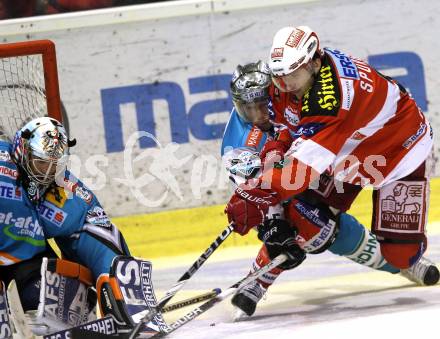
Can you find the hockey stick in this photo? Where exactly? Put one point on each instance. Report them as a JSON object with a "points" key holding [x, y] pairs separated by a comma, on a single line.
{"points": [[190, 301], [108, 328], [105, 326], [231, 290], [183, 279]]}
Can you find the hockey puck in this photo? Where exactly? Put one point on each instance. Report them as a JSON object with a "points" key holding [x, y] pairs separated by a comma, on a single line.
{"points": [[213, 324]]}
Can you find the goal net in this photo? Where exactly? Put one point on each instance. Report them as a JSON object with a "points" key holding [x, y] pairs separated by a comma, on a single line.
{"points": [[28, 84]]}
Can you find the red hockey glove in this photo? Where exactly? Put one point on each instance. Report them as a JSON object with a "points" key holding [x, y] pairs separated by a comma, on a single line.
{"points": [[273, 151], [248, 209]]}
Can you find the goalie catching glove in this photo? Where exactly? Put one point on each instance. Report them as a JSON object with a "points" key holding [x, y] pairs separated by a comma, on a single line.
{"points": [[279, 237]]}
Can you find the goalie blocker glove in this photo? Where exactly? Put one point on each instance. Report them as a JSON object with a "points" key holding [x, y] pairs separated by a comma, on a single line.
{"points": [[279, 237], [127, 294]]}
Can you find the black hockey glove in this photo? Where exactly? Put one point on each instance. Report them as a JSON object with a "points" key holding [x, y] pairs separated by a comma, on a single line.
{"points": [[279, 237]]}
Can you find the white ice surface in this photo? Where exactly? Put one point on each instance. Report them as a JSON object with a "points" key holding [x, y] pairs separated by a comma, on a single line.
{"points": [[326, 297]]}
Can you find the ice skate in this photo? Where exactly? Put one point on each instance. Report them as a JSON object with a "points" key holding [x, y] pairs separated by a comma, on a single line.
{"points": [[245, 302], [424, 272]]}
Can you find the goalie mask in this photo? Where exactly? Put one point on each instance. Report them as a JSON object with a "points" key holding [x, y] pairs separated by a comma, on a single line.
{"points": [[41, 149], [250, 93]]}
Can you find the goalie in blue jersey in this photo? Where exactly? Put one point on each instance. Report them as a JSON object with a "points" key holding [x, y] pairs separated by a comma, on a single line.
{"points": [[41, 199]]}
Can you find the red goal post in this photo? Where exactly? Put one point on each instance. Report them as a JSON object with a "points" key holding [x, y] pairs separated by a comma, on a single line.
{"points": [[28, 84]]}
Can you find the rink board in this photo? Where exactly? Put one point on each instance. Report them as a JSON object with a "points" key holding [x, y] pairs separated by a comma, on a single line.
{"points": [[192, 230], [165, 68]]}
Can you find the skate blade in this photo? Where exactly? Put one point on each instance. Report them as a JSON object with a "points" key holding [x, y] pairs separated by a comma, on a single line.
{"points": [[238, 315]]}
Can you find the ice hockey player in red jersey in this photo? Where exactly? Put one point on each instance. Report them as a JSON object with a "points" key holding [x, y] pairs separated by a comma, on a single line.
{"points": [[355, 124]]}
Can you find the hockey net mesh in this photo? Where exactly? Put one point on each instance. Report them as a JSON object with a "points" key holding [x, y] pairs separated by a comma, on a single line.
{"points": [[22, 92]]}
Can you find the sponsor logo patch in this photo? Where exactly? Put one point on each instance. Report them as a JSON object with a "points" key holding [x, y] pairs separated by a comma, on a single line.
{"points": [[277, 53], [323, 99], [346, 67], [325, 225], [52, 213], [416, 136], [308, 130], [98, 217], [84, 194], [358, 136], [8, 172], [57, 196], [10, 191], [291, 115], [22, 226], [327, 94], [5, 156], [347, 93], [254, 137], [402, 207], [295, 38]]}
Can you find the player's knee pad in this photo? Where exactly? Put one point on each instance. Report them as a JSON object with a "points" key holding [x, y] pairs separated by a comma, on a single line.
{"points": [[358, 244], [317, 225], [67, 297], [261, 260]]}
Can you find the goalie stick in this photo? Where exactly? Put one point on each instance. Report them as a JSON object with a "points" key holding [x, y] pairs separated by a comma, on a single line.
{"points": [[182, 321], [108, 328], [96, 325], [183, 279], [231, 290]]}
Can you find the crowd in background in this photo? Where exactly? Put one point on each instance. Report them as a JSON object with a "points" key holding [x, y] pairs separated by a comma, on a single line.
{"points": [[10, 9]]}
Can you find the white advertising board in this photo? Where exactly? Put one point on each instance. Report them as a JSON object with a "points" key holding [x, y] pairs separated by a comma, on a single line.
{"points": [[164, 69]]}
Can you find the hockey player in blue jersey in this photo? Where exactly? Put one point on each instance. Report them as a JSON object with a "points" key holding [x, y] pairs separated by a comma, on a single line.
{"points": [[41, 199], [320, 222]]}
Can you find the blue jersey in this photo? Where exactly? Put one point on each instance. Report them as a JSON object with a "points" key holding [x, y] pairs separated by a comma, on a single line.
{"points": [[70, 214], [239, 133]]}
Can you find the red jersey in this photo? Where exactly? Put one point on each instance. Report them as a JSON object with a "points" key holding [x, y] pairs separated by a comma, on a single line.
{"points": [[358, 124]]}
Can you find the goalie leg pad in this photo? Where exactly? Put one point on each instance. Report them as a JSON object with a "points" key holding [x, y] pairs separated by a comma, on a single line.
{"points": [[5, 324], [66, 295]]}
